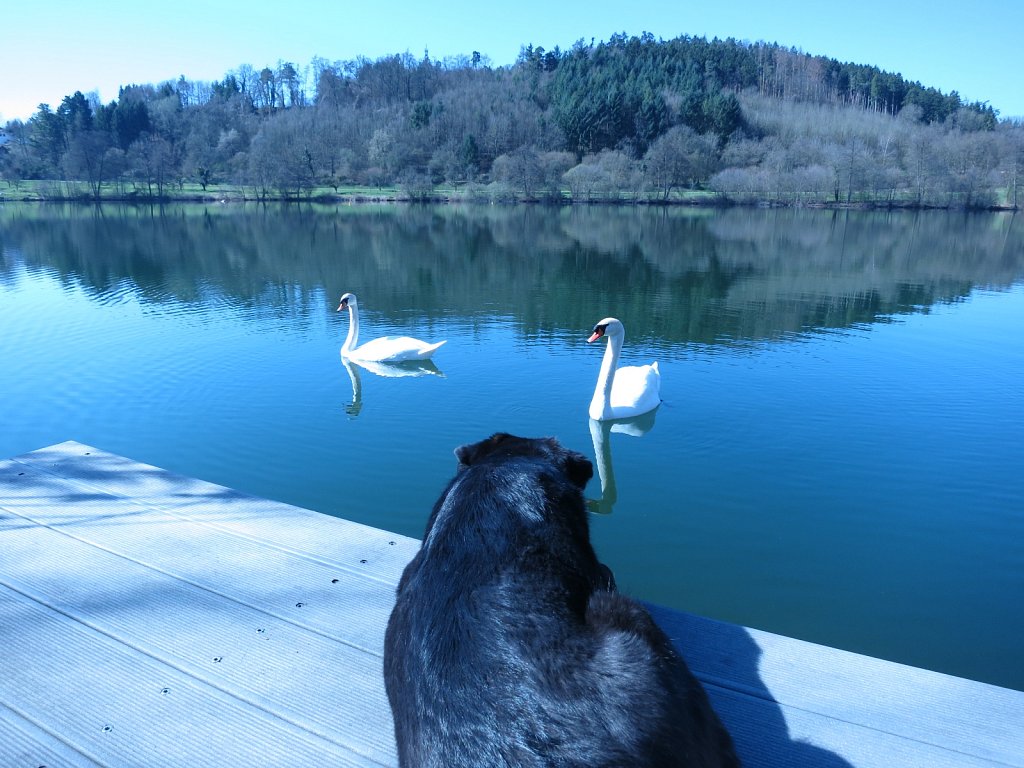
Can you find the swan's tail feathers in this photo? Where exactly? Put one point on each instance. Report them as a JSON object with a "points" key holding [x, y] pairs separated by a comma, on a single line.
{"points": [[429, 349]]}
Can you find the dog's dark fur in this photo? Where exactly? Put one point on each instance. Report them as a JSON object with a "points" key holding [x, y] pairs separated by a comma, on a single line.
{"points": [[509, 645]]}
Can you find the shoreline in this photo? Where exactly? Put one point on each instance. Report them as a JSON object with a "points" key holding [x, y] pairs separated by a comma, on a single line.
{"points": [[236, 196]]}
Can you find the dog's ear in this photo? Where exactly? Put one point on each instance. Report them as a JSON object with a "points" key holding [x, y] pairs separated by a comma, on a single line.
{"points": [[472, 452], [577, 468], [465, 454]]}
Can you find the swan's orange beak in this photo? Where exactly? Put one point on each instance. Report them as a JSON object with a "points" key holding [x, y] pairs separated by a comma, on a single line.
{"points": [[343, 305], [596, 335]]}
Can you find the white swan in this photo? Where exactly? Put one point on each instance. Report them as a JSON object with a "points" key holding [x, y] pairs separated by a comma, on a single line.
{"points": [[386, 349], [622, 392]]}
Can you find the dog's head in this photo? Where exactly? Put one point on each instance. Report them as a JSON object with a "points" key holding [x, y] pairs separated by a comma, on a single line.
{"points": [[502, 446]]}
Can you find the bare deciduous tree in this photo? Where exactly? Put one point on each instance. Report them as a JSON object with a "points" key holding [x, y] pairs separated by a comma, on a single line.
{"points": [[679, 158]]}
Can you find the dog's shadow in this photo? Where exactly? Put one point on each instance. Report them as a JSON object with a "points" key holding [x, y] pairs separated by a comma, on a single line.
{"points": [[725, 657]]}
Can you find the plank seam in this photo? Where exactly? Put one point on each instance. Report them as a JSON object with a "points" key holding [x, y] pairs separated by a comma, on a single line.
{"points": [[42, 727]]}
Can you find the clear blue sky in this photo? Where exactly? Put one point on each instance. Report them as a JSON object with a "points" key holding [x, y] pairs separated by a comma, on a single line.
{"points": [[52, 48]]}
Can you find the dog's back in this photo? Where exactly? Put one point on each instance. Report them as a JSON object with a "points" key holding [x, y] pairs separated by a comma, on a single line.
{"points": [[508, 645]]}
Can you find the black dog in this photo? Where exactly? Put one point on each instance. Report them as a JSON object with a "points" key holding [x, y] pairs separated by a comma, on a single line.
{"points": [[509, 645]]}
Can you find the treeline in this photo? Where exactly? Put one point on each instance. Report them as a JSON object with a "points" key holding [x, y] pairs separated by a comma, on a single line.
{"points": [[631, 119]]}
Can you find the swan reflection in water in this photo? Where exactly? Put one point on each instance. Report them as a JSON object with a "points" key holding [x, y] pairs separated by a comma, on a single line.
{"points": [[600, 434], [387, 370]]}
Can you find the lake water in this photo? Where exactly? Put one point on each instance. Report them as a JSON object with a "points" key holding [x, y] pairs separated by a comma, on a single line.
{"points": [[839, 455]]}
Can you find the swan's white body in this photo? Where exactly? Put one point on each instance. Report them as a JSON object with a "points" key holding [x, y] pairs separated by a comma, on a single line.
{"points": [[622, 393], [386, 349]]}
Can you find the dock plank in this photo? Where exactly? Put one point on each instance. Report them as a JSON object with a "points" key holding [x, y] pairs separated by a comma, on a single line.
{"points": [[22, 743], [207, 626], [106, 699], [964, 717], [265, 659]]}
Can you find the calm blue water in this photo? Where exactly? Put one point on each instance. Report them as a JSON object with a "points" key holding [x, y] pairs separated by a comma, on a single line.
{"points": [[838, 458]]}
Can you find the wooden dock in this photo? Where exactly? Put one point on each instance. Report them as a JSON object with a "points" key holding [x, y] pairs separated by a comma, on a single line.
{"points": [[149, 619]]}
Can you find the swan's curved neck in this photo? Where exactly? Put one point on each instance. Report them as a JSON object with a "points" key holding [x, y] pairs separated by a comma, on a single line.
{"points": [[600, 406], [353, 330]]}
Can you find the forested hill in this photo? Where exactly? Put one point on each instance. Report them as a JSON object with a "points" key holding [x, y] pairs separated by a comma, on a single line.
{"points": [[634, 89], [632, 118]]}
